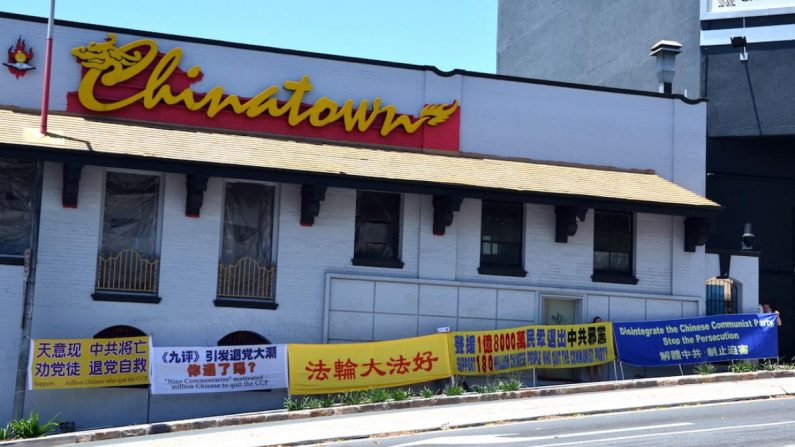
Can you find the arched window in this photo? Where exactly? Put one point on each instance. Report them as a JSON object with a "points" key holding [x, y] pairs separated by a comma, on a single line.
{"points": [[722, 295], [120, 331], [240, 338]]}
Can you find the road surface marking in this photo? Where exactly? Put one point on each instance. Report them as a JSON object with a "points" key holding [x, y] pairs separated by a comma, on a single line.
{"points": [[500, 438]]}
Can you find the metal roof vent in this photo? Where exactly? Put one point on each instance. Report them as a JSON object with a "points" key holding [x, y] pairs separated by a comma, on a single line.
{"points": [[665, 51]]}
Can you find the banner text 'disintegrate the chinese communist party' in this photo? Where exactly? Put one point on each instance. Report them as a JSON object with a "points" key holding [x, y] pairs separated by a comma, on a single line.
{"points": [[506, 350], [88, 363], [335, 368], [697, 340]]}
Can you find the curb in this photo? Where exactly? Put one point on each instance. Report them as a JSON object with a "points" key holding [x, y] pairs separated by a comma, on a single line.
{"points": [[283, 415]]}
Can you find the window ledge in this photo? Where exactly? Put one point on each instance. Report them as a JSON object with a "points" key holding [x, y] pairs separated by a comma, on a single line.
{"points": [[248, 303], [616, 278], [385, 263], [126, 297], [502, 271], [12, 260]]}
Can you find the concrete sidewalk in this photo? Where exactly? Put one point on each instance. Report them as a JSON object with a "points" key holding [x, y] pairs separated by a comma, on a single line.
{"points": [[362, 421]]}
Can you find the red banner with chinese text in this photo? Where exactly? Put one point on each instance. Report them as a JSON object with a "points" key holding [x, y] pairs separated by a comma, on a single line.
{"points": [[336, 368]]}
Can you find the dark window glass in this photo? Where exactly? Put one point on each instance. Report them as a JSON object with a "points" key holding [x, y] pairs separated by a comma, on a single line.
{"points": [[246, 268], [377, 226], [128, 260], [612, 242], [17, 183], [130, 215], [501, 234], [248, 223]]}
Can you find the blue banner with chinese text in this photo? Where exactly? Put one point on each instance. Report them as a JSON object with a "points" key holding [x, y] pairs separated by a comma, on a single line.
{"points": [[714, 338]]}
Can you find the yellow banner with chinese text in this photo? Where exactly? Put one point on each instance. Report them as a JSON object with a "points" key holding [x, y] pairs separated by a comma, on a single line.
{"points": [[560, 346], [88, 363], [336, 368]]}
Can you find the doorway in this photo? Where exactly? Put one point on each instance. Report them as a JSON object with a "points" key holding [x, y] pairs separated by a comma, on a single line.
{"points": [[560, 310]]}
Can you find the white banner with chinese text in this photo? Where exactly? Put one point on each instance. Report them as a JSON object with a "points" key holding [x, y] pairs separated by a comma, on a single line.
{"points": [[218, 369]]}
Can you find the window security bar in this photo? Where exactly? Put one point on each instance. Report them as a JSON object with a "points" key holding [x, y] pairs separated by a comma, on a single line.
{"points": [[246, 278], [127, 271]]}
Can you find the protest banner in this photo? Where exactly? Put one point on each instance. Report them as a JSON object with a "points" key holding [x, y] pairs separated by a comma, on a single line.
{"points": [[335, 368], [218, 369], [714, 338], [88, 363], [550, 346]]}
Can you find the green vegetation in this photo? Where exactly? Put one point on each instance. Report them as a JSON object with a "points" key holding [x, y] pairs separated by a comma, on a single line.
{"points": [[742, 366], [704, 368], [400, 394], [510, 384], [488, 388], [426, 393], [352, 398], [29, 427], [453, 390], [292, 404], [307, 403], [376, 395], [6, 433]]}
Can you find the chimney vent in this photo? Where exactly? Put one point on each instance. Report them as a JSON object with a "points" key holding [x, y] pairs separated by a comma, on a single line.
{"points": [[665, 51]]}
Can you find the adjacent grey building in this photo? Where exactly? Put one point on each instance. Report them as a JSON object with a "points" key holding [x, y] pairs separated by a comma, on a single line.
{"points": [[739, 54]]}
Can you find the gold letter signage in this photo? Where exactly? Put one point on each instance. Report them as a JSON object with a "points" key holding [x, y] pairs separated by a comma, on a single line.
{"points": [[107, 66]]}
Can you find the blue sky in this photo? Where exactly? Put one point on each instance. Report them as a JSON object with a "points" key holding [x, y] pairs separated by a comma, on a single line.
{"points": [[445, 33]]}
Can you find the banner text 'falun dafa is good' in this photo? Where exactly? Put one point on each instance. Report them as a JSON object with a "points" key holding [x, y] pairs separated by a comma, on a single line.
{"points": [[335, 368]]}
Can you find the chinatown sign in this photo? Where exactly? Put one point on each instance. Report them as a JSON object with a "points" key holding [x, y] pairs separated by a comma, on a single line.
{"points": [[136, 74]]}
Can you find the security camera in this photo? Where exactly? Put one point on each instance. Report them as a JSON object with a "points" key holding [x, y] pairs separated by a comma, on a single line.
{"points": [[748, 239]]}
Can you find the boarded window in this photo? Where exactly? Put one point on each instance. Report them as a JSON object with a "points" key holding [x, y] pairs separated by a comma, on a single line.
{"points": [[17, 185], [248, 223], [129, 220]]}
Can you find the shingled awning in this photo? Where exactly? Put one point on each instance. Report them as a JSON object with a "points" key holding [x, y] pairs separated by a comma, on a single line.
{"points": [[146, 146]]}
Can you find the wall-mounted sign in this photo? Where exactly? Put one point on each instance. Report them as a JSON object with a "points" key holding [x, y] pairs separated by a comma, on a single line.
{"points": [[218, 369], [338, 368], [716, 338], [508, 350], [88, 363], [721, 9], [138, 79], [19, 59]]}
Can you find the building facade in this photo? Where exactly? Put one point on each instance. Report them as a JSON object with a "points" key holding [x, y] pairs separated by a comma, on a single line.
{"points": [[738, 54], [209, 193]]}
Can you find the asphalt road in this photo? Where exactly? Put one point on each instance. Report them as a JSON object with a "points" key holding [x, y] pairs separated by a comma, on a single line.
{"points": [[759, 423]]}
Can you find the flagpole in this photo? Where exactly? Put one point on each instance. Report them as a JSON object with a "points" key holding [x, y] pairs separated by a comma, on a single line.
{"points": [[45, 98]]}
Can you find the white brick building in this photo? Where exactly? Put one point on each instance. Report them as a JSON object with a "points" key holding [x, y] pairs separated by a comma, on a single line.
{"points": [[527, 160]]}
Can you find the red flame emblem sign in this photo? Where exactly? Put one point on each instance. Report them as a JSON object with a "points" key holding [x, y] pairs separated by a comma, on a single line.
{"points": [[19, 59]]}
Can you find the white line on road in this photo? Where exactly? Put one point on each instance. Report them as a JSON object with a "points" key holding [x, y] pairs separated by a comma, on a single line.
{"points": [[684, 432], [500, 438], [492, 439]]}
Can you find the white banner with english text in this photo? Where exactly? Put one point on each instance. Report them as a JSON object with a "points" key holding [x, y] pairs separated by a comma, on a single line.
{"points": [[218, 369]]}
